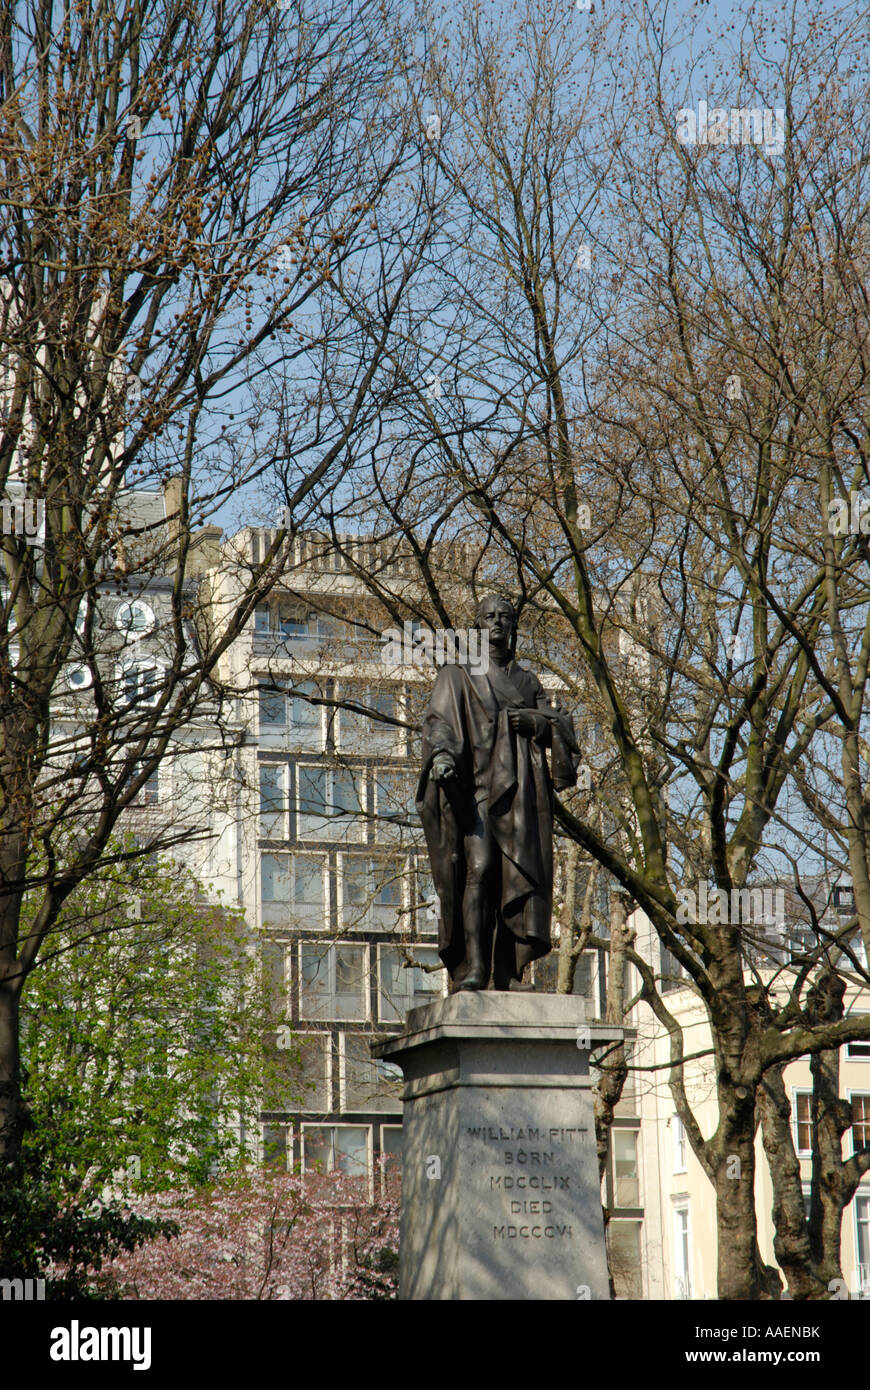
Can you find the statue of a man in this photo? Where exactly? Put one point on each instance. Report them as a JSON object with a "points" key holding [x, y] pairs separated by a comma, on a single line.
{"points": [[485, 798]]}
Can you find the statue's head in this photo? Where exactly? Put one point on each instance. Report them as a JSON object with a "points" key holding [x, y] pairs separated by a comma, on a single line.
{"points": [[497, 616]]}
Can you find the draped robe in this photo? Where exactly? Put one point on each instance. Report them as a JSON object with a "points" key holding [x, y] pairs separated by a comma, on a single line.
{"points": [[507, 775]]}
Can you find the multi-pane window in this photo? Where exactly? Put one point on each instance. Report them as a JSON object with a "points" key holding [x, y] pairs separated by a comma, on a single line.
{"points": [[426, 903], [329, 802], [272, 956], [369, 733], [312, 1077], [682, 1253], [288, 718], [333, 981], [367, 1083], [140, 681], [273, 708], [679, 1144], [391, 1146], [275, 1149], [408, 979], [292, 889], [862, 1241], [148, 793], [345, 1148], [803, 1121], [623, 1241], [626, 1183], [394, 804], [371, 893], [296, 1074], [135, 618], [272, 800], [860, 1122]]}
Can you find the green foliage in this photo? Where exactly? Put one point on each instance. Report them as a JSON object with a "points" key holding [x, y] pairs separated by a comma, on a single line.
{"points": [[145, 1031]]}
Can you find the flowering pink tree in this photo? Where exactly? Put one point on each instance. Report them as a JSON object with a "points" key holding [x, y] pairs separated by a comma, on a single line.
{"points": [[269, 1236]]}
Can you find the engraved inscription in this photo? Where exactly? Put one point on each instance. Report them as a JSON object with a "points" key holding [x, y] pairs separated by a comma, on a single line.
{"points": [[522, 1185]]}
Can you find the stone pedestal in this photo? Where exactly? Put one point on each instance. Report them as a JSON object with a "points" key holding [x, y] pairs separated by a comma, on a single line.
{"points": [[500, 1191]]}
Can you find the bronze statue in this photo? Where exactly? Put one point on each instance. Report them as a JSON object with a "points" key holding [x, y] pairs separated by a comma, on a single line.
{"points": [[485, 798]]}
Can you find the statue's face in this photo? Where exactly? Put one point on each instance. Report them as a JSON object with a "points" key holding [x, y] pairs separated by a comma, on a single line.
{"points": [[497, 617]]}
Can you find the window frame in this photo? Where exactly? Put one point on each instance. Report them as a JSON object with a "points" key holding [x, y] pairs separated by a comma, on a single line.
{"points": [[309, 1125], [335, 826], [862, 1095], [140, 663], [331, 948], [130, 632], [345, 1104], [413, 947], [291, 916], [681, 1232], [801, 1092]]}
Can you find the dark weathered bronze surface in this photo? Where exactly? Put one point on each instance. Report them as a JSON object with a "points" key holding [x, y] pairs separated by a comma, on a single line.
{"points": [[485, 798]]}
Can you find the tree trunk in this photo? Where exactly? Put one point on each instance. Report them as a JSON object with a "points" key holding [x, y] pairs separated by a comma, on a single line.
{"points": [[740, 1275], [10, 1077], [791, 1242]]}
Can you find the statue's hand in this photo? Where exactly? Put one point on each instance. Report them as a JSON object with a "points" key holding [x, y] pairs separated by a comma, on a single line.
{"points": [[530, 723], [443, 768]]}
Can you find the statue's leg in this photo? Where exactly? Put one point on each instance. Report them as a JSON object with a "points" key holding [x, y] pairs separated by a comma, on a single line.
{"points": [[511, 959], [477, 906]]}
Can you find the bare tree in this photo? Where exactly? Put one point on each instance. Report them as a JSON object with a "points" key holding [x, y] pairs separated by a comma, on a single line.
{"points": [[182, 183]]}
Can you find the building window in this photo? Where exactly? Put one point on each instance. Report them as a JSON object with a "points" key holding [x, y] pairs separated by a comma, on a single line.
{"points": [[623, 1242], [364, 733], [368, 1083], [333, 981], [679, 1130], [79, 678], [149, 792], [391, 1147], [273, 708], [308, 1082], [134, 618], [331, 1148], [291, 715], [275, 1150], [140, 681], [858, 1051], [860, 1122], [844, 898], [329, 803], [371, 894], [862, 1244], [802, 1110], [274, 967], [394, 804], [292, 889], [626, 1183], [682, 1252], [272, 800], [427, 904], [408, 979]]}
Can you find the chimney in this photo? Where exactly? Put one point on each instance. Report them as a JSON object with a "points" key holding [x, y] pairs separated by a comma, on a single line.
{"points": [[172, 497]]}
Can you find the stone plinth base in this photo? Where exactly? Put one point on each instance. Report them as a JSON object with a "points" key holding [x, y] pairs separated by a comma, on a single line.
{"points": [[500, 1191]]}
